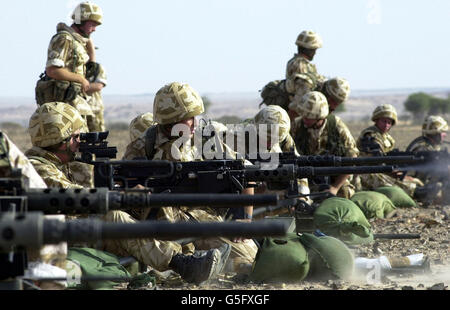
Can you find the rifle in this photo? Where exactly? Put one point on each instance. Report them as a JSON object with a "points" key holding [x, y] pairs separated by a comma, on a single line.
{"points": [[93, 145]]}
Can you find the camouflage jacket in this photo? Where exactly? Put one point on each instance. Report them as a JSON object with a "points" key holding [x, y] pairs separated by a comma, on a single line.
{"points": [[12, 158], [422, 144], [301, 65], [51, 169], [317, 139], [384, 140]]}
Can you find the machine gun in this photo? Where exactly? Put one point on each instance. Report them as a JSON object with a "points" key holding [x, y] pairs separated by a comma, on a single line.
{"points": [[23, 231], [93, 145]]}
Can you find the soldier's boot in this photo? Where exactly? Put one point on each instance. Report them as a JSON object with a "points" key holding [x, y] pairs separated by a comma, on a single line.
{"points": [[202, 265]]}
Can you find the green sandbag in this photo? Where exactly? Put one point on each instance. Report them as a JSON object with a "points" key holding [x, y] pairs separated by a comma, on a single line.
{"points": [[96, 263], [373, 204], [398, 196], [329, 258], [282, 259], [342, 218]]}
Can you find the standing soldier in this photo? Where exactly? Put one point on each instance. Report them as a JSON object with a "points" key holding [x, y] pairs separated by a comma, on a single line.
{"points": [[316, 132], [65, 76], [377, 140], [301, 74], [179, 104]]}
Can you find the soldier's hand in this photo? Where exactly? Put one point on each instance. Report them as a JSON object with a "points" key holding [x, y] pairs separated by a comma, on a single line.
{"points": [[85, 84]]}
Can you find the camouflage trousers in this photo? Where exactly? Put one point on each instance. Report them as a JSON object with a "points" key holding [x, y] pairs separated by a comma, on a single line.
{"points": [[82, 174], [242, 254], [96, 122], [375, 180], [154, 253]]}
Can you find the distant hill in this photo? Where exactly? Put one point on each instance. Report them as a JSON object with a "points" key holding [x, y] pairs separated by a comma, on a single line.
{"points": [[123, 108]]}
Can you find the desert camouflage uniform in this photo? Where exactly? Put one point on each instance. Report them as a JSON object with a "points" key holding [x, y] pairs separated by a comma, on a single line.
{"points": [[317, 145], [96, 122], [140, 124], [67, 49], [375, 180], [302, 76], [49, 167], [12, 158], [241, 253]]}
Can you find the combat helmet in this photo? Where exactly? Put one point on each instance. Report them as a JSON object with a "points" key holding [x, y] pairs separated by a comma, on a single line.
{"points": [[176, 102], [313, 105], [140, 124], [338, 88], [433, 125], [54, 122], [274, 114], [309, 39], [87, 11], [385, 110]]}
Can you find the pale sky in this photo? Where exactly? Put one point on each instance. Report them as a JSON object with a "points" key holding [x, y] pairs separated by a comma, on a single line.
{"points": [[236, 45]]}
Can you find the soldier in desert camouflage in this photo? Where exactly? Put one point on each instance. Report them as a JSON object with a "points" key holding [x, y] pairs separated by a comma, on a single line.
{"points": [[316, 132], [54, 130], [434, 131], [377, 139], [301, 75], [179, 104], [140, 124], [336, 90]]}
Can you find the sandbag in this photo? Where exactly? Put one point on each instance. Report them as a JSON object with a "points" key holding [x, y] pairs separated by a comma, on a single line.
{"points": [[373, 204], [329, 258], [282, 259], [97, 263], [342, 218], [398, 196]]}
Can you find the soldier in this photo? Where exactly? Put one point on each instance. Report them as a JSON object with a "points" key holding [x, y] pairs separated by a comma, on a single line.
{"points": [[336, 90], [54, 130], [178, 104], [434, 131], [376, 139], [301, 75], [275, 115], [316, 132], [140, 124]]}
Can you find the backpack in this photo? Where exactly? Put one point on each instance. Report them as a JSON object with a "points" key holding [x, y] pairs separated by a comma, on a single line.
{"points": [[274, 93]]}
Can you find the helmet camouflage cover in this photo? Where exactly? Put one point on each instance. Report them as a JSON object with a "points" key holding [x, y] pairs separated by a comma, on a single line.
{"points": [[140, 124], [338, 88], [434, 125], [274, 114], [53, 122], [176, 102], [313, 105], [309, 39], [87, 11], [385, 110]]}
